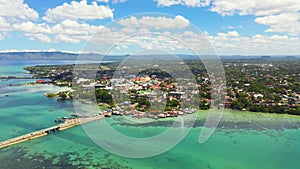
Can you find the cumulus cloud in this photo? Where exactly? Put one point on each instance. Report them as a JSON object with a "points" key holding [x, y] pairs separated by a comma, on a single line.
{"points": [[40, 37], [280, 16], [225, 43], [17, 10], [78, 10], [113, 1], [189, 3], [1, 37], [231, 43], [178, 22], [62, 32], [65, 38], [72, 27], [229, 34], [254, 7], [106, 1], [66, 23], [30, 27], [284, 23], [4, 25], [14, 12], [118, 1]]}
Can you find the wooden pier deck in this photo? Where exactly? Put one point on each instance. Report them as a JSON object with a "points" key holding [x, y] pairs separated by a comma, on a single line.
{"points": [[44, 132]]}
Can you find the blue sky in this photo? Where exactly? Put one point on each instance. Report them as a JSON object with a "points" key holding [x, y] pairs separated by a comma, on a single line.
{"points": [[232, 27]]}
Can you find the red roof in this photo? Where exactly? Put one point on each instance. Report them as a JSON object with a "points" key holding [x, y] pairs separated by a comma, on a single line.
{"points": [[40, 81], [169, 86], [228, 103]]}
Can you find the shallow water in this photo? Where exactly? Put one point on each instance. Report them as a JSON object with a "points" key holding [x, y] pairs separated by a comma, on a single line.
{"points": [[244, 140]]}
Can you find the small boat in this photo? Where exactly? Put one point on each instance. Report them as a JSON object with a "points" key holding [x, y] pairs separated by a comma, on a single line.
{"points": [[75, 115], [59, 120]]}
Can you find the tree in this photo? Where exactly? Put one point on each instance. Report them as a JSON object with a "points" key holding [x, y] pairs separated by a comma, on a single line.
{"points": [[143, 104], [173, 103], [203, 105], [103, 96]]}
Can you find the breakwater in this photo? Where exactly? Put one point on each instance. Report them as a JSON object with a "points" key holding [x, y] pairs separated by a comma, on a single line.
{"points": [[44, 132]]}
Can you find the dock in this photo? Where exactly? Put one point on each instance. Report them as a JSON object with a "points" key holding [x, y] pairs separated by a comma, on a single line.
{"points": [[44, 132]]}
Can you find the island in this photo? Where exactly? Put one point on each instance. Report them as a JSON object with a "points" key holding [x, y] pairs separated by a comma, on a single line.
{"points": [[268, 85]]}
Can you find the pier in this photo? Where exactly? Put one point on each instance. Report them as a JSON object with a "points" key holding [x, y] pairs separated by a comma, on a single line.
{"points": [[44, 132]]}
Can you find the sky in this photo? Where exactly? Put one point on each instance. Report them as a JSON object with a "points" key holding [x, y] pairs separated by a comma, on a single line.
{"points": [[228, 27]]}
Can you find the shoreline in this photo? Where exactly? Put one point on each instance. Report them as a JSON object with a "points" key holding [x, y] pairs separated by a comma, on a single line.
{"points": [[230, 120]]}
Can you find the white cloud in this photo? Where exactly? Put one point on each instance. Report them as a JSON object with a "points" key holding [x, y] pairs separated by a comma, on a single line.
{"points": [[118, 1], [17, 10], [284, 23], [12, 12], [4, 25], [30, 27], [66, 24], [40, 37], [168, 2], [1, 37], [106, 1], [228, 27], [65, 38], [228, 34], [230, 43], [255, 7], [113, 1], [65, 30], [78, 10], [232, 27], [189, 3], [225, 43], [281, 16], [72, 27], [178, 22]]}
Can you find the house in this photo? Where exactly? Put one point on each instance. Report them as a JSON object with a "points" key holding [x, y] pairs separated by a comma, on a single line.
{"points": [[228, 104], [40, 81], [258, 95], [176, 95]]}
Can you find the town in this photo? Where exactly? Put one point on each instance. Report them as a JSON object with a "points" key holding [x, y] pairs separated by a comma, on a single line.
{"points": [[270, 86]]}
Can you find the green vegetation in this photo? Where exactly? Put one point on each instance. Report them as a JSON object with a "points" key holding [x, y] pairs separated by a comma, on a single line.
{"points": [[103, 96]]}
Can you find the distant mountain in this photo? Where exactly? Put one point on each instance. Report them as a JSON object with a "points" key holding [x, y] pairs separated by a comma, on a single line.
{"points": [[290, 57], [46, 56], [37, 55], [265, 57], [93, 56]]}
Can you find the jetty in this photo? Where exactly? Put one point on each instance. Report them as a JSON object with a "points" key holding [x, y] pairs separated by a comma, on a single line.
{"points": [[69, 123]]}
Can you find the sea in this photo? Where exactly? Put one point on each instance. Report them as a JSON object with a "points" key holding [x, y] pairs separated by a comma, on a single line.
{"points": [[243, 140]]}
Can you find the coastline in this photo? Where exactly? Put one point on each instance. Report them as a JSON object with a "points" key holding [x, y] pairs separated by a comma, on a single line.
{"points": [[230, 120]]}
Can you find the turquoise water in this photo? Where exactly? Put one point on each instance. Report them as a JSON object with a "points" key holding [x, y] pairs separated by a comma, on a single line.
{"points": [[244, 140], [15, 67]]}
